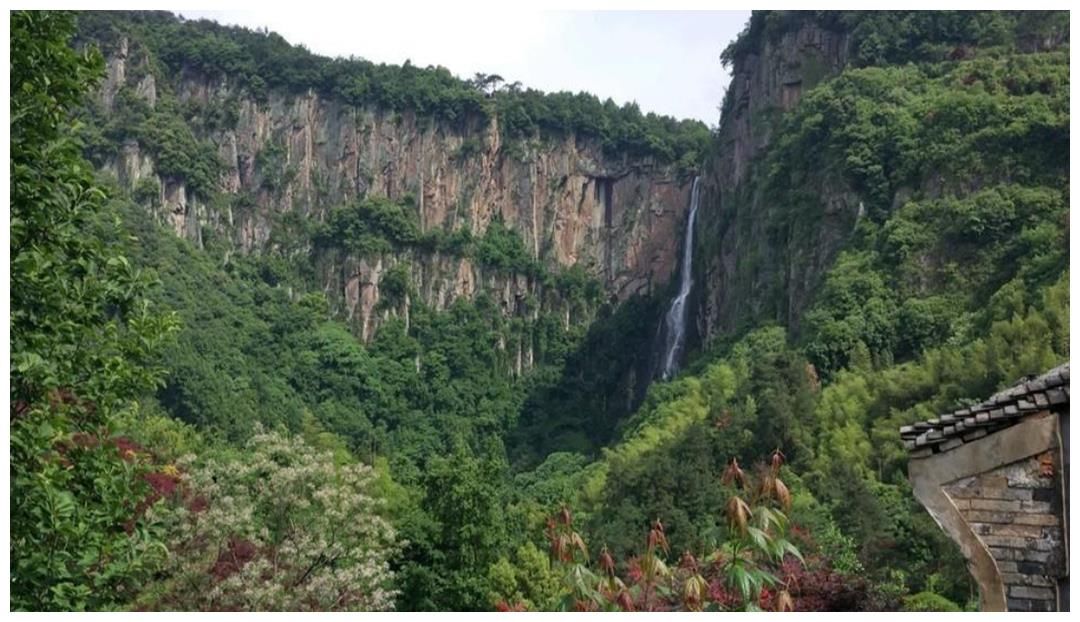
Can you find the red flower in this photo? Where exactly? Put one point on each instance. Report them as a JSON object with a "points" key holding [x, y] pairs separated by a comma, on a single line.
{"points": [[765, 599], [198, 504], [233, 558], [502, 605], [163, 485], [721, 596], [128, 448], [633, 570]]}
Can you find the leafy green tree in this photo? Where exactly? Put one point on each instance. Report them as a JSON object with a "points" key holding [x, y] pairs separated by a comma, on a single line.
{"points": [[464, 495], [82, 331]]}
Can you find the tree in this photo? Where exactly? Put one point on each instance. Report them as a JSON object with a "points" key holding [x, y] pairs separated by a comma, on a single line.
{"points": [[282, 526], [487, 83], [81, 334], [465, 496]]}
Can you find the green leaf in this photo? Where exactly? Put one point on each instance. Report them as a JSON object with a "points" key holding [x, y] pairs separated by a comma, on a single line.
{"points": [[759, 538]]}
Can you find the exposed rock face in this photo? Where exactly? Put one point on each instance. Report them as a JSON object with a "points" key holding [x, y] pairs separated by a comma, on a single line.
{"points": [[571, 204], [753, 268]]}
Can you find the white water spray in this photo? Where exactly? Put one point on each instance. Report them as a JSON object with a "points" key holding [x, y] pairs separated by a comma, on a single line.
{"points": [[675, 320]]}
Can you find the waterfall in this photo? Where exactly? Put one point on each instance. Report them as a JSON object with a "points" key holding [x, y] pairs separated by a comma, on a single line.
{"points": [[675, 320]]}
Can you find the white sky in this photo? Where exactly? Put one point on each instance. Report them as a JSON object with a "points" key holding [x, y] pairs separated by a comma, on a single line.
{"points": [[667, 61]]}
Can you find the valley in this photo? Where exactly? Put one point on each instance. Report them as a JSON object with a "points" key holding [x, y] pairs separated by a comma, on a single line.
{"points": [[537, 351]]}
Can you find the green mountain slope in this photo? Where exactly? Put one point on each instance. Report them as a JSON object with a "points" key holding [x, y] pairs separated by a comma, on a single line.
{"points": [[905, 222]]}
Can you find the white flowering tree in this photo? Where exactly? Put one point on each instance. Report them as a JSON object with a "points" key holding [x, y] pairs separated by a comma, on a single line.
{"points": [[279, 526]]}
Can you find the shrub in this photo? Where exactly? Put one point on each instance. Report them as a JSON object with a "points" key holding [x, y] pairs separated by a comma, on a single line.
{"points": [[502, 248], [370, 227], [394, 285], [147, 191], [928, 601]]}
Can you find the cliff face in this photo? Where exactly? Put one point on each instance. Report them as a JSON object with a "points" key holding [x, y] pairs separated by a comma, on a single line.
{"points": [[753, 266], [571, 204]]}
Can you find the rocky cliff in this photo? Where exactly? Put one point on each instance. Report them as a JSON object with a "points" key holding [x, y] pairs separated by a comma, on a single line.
{"points": [[754, 267], [571, 204], [837, 127]]}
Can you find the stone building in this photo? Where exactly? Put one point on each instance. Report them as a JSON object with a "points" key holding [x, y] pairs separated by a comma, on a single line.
{"points": [[995, 477]]}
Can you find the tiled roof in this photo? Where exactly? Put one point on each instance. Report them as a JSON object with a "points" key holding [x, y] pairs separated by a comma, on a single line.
{"points": [[1001, 410]]}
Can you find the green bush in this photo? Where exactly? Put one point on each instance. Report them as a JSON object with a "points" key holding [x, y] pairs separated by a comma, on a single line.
{"points": [[395, 284], [370, 227], [501, 247], [147, 191], [928, 601]]}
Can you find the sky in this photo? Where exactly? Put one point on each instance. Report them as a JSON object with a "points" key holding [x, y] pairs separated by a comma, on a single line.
{"points": [[666, 61]]}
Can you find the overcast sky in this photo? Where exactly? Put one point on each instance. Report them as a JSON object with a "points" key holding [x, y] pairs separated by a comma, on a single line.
{"points": [[669, 62]]}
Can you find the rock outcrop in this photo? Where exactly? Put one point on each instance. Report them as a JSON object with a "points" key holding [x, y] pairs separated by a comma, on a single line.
{"points": [[752, 268], [571, 204]]}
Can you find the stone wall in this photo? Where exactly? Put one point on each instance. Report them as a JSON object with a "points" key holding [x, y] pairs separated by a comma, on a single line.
{"points": [[1016, 511], [1003, 499]]}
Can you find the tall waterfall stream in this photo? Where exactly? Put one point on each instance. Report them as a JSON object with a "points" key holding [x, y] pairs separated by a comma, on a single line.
{"points": [[675, 320]]}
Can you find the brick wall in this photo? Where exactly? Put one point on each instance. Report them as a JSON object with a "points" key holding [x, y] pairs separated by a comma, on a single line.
{"points": [[1016, 510]]}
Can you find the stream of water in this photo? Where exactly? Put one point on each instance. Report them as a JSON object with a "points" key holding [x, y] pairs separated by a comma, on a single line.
{"points": [[675, 320]]}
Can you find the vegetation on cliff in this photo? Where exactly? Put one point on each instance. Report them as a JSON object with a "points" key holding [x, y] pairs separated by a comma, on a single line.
{"points": [[263, 62]]}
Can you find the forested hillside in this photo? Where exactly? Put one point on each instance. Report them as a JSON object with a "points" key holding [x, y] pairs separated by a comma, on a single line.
{"points": [[890, 193], [300, 333]]}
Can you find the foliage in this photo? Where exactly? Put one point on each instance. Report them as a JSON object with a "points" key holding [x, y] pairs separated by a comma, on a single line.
{"points": [[263, 63], [852, 495], [502, 248], [463, 497], [376, 226], [950, 168], [928, 601], [147, 191], [370, 227], [395, 284], [575, 408], [949, 132], [529, 579], [741, 406], [926, 185], [251, 352], [735, 575], [280, 527], [164, 132], [82, 331], [897, 37]]}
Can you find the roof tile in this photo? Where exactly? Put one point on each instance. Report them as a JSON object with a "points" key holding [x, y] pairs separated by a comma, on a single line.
{"points": [[1001, 410]]}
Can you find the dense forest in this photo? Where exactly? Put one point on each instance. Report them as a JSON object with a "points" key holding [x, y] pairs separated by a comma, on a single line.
{"points": [[198, 428]]}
